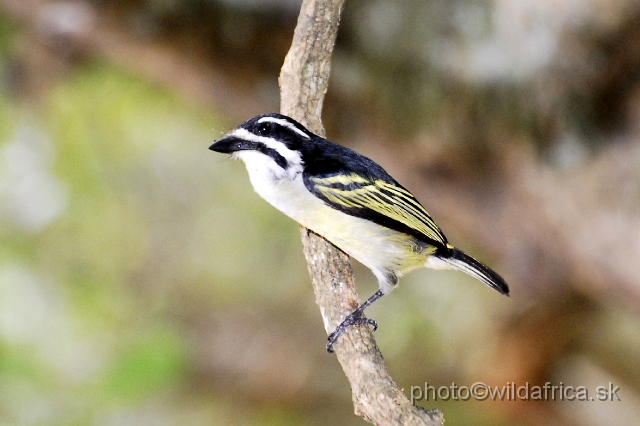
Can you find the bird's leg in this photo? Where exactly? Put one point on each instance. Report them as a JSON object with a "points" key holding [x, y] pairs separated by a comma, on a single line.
{"points": [[354, 317]]}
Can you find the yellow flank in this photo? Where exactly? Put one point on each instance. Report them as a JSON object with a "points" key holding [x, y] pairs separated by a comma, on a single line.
{"points": [[413, 255], [381, 197]]}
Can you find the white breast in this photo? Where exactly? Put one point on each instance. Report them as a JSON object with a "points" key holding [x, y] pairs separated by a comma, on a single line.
{"points": [[379, 248]]}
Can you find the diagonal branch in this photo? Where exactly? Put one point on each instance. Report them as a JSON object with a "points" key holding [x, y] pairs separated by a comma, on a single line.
{"points": [[304, 80]]}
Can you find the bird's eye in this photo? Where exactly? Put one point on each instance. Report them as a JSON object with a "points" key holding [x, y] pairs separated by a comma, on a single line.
{"points": [[265, 129]]}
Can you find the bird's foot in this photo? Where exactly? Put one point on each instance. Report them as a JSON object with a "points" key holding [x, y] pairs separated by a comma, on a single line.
{"points": [[354, 318]]}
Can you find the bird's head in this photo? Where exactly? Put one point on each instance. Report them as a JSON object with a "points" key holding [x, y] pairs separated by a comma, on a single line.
{"points": [[272, 141]]}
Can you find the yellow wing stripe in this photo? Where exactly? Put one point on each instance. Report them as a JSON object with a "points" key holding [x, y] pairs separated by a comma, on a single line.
{"points": [[341, 179], [417, 207], [395, 203]]}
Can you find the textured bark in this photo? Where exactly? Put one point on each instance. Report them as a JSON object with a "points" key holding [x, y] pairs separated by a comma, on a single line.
{"points": [[304, 81]]}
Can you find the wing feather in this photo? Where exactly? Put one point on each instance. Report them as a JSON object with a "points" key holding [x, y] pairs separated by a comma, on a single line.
{"points": [[380, 200]]}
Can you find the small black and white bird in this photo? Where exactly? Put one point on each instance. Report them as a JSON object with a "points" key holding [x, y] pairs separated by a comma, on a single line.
{"points": [[349, 200]]}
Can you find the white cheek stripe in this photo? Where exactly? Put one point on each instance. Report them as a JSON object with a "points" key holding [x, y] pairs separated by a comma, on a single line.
{"points": [[293, 158], [289, 155], [284, 123]]}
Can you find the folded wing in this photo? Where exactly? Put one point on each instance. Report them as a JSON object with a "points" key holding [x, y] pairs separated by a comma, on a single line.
{"points": [[380, 200]]}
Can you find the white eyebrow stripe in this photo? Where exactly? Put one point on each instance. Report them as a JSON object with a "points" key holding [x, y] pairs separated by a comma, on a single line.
{"points": [[292, 157], [284, 123]]}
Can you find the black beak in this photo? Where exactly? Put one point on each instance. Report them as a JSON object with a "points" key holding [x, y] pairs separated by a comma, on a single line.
{"points": [[230, 144]]}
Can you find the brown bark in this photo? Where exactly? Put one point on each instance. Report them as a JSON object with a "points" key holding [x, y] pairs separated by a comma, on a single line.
{"points": [[304, 81]]}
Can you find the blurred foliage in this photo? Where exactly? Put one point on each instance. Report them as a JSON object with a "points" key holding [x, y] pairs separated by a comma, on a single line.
{"points": [[143, 282], [71, 314], [88, 284]]}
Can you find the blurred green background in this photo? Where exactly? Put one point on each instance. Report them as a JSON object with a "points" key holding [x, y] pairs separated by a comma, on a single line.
{"points": [[143, 282]]}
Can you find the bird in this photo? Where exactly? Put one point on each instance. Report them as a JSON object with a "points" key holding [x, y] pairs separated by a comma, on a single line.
{"points": [[349, 200]]}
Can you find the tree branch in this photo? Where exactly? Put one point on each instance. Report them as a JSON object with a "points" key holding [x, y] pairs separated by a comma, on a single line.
{"points": [[304, 80]]}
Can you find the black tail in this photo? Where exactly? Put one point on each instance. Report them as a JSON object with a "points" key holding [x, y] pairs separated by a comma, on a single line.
{"points": [[465, 263]]}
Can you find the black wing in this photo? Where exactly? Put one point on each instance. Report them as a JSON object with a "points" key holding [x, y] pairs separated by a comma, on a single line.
{"points": [[356, 185]]}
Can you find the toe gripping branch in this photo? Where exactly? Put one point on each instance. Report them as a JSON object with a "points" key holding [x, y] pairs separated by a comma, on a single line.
{"points": [[355, 317]]}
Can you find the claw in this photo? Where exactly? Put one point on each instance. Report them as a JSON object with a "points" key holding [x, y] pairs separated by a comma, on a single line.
{"points": [[330, 341], [354, 318], [350, 320], [372, 323]]}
